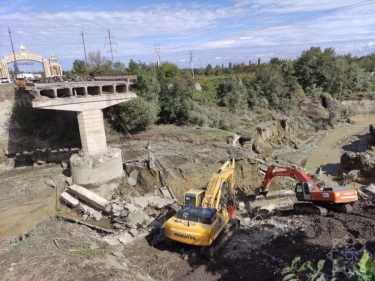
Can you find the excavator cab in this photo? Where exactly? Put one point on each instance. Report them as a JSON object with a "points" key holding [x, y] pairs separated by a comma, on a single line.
{"points": [[194, 197], [303, 190]]}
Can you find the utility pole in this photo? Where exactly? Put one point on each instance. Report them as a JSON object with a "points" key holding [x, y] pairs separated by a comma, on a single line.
{"points": [[84, 48], [14, 54], [191, 54], [157, 50], [200, 63], [110, 43]]}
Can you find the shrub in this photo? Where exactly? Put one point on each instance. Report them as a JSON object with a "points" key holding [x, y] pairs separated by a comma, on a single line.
{"points": [[134, 115]]}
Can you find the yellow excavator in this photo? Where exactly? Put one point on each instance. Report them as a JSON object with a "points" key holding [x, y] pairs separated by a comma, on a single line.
{"points": [[206, 219]]}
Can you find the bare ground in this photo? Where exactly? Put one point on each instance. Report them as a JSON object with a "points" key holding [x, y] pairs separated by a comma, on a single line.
{"points": [[58, 250]]}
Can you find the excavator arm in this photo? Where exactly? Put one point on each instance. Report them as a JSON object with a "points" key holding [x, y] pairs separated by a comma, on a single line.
{"points": [[284, 171], [214, 188]]}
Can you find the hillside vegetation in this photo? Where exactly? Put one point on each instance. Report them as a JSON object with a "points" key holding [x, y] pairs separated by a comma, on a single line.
{"points": [[233, 98]]}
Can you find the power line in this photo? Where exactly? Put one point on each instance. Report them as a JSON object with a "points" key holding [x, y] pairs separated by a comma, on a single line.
{"points": [[157, 50], [84, 48], [110, 43]]}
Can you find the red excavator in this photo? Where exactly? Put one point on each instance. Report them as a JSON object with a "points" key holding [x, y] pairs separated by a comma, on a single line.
{"points": [[338, 198]]}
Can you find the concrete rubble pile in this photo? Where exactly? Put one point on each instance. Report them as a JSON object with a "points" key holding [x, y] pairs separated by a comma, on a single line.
{"points": [[133, 217], [64, 79]]}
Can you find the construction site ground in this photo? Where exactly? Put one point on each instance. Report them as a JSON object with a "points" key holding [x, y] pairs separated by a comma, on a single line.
{"points": [[36, 244]]}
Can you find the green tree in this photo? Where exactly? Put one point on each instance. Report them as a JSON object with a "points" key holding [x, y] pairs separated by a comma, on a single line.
{"points": [[97, 63], [134, 115], [169, 70], [147, 84], [271, 85], [79, 68], [133, 67], [218, 71], [175, 103], [119, 67], [232, 95], [209, 70], [315, 67]]}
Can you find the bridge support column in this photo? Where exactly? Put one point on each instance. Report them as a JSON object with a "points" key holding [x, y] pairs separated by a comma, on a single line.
{"points": [[91, 129]]}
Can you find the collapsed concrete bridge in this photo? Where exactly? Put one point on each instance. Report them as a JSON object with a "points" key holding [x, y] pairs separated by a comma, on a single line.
{"points": [[87, 98]]}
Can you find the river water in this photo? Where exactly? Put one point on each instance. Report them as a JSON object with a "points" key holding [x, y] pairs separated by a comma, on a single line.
{"points": [[328, 151]]}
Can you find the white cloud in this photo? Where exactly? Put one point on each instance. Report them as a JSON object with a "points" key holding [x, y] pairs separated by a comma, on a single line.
{"points": [[238, 30], [217, 58]]}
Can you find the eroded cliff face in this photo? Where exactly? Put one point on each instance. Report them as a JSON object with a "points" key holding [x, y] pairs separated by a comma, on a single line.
{"points": [[360, 107], [363, 161], [184, 166]]}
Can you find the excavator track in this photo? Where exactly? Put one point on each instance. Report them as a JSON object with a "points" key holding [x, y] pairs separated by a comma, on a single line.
{"points": [[341, 208], [310, 208], [232, 226], [322, 210]]}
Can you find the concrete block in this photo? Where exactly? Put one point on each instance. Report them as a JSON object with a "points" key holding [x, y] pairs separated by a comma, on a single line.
{"points": [[88, 197], [132, 180], [69, 199], [130, 207], [133, 232], [167, 192], [126, 238], [136, 218]]}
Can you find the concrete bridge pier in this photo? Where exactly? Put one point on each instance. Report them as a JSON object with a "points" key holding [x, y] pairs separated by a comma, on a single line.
{"points": [[95, 163], [91, 130]]}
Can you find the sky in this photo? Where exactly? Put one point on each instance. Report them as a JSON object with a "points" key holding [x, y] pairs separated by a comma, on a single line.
{"points": [[186, 33]]}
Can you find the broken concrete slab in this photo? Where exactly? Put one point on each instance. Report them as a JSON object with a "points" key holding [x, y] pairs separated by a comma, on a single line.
{"points": [[117, 208], [133, 177], [130, 207], [126, 238], [51, 183], [167, 192], [67, 198], [90, 212], [151, 160], [154, 201], [133, 232], [88, 197], [136, 218]]}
